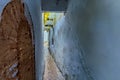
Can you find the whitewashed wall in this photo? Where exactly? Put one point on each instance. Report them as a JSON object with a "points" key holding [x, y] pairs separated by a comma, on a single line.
{"points": [[36, 15], [3, 4], [93, 27]]}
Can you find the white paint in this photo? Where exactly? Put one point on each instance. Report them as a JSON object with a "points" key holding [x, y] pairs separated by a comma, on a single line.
{"points": [[46, 36], [3, 4], [36, 15], [92, 26]]}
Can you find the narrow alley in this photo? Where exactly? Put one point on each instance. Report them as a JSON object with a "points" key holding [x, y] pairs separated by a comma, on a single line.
{"points": [[59, 39], [51, 71]]}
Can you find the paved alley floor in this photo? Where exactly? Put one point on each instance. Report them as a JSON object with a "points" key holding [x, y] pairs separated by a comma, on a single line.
{"points": [[51, 71]]}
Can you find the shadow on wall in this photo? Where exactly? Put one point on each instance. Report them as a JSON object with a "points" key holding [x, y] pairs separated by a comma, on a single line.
{"points": [[94, 27]]}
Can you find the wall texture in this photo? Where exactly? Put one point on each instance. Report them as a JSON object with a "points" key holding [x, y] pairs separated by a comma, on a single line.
{"points": [[35, 11], [16, 49], [2, 4], [87, 41]]}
